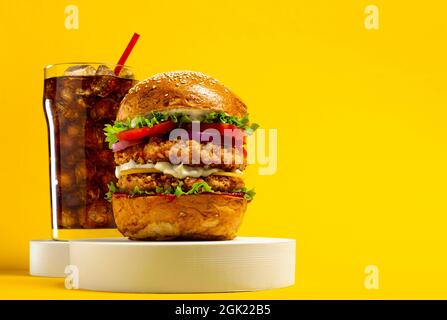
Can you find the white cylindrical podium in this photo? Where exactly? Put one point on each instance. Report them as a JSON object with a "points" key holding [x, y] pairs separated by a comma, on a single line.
{"points": [[242, 264], [48, 258]]}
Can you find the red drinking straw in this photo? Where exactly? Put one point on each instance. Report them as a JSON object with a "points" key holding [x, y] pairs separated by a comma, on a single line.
{"points": [[126, 53]]}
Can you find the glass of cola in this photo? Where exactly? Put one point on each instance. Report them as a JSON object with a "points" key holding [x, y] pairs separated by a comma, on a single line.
{"points": [[79, 98]]}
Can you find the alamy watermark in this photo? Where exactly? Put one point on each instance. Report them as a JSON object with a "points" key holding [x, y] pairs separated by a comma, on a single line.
{"points": [[227, 147], [371, 281], [72, 17]]}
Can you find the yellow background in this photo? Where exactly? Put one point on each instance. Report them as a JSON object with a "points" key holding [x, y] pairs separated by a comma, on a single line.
{"points": [[362, 160]]}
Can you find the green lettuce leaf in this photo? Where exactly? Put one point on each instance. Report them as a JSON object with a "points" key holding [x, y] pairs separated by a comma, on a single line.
{"points": [[220, 117], [198, 187], [112, 190], [179, 118], [249, 193]]}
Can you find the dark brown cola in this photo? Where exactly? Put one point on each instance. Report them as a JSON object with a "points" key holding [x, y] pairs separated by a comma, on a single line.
{"points": [[81, 164]]}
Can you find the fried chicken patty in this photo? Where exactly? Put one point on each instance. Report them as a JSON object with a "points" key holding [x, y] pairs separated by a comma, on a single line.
{"points": [[158, 150], [149, 182]]}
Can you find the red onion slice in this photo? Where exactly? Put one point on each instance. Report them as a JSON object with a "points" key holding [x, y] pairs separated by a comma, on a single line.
{"points": [[123, 144]]}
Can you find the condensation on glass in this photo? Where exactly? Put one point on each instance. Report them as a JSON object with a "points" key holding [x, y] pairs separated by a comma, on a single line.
{"points": [[79, 99]]}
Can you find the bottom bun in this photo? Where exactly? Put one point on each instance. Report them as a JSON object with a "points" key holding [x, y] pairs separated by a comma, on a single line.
{"points": [[188, 217]]}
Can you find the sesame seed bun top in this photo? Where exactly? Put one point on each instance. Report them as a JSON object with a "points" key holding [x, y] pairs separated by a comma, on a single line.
{"points": [[180, 90]]}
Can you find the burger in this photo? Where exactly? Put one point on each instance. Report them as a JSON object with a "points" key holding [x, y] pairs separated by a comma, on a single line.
{"points": [[179, 150]]}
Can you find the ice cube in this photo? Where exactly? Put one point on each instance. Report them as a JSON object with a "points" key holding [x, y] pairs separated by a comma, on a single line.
{"points": [[126, 73], [104, 109], [83, 92], [66, 94], [104, 70], [80, 70], [65, 112], [102, 86], [99, 214], [69, 219]]}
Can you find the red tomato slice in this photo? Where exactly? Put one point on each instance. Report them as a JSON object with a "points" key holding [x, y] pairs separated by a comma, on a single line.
{"points": [[218, 126], [139, 133], [223, 129]]}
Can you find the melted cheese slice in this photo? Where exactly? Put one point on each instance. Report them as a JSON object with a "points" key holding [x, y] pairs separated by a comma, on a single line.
{"points": [[138, 170], [179, 171], [229, 174]]}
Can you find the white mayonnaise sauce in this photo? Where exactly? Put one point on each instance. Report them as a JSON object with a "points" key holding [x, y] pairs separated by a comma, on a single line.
{"points": [[179, 171]]}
